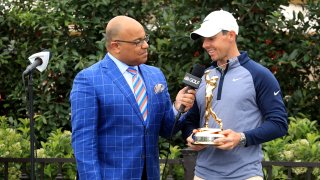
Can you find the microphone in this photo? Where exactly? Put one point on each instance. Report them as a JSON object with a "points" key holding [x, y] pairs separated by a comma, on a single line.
{"points": [[193, 80], [39, 60]]}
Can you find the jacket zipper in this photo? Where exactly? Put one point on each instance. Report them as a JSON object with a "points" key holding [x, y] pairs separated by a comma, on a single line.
{"points": [[223, 73]]}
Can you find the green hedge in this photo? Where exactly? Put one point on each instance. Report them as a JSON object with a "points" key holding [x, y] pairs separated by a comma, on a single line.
{"points": [[27, 27], [15, 142], [301, 144]]}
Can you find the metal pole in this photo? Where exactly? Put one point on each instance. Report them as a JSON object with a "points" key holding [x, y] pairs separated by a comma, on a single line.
{"points": [[31, 113]]}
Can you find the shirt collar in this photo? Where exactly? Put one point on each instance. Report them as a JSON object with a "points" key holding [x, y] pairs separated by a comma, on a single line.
{"points": [[122, 66]]}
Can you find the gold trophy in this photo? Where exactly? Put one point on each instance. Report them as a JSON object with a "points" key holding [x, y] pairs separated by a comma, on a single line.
{"points": [[207, 135]]}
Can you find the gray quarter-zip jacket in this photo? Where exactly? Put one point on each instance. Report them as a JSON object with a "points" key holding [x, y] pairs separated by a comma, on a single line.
{"points": [[248, 99]]}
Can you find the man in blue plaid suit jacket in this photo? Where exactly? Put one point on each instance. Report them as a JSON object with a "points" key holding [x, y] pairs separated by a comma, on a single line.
{"points": [[110, 138]]}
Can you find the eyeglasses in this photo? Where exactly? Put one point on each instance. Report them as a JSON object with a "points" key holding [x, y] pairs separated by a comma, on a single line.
{"points": [[138, 42]]}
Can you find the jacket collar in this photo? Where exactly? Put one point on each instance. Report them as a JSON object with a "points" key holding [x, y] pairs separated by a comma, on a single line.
{"points": [[234, 62]]}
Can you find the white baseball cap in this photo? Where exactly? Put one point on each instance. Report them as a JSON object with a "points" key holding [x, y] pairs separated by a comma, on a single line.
{"points": [[215, 22]]}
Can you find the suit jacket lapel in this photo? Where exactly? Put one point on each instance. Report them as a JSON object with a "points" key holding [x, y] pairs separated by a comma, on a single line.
{"points": [[118, 79]]}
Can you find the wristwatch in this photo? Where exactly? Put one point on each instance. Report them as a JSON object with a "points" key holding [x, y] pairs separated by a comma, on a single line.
{"points": [[243, 140]]}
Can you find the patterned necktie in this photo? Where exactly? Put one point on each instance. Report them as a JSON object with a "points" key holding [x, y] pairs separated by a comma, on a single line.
{"points": [[139, 91]]}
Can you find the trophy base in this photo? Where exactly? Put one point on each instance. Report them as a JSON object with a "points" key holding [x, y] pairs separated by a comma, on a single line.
{"points": [[206, 136]]}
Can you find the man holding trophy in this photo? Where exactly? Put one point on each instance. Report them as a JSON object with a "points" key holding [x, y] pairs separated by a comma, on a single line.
{"points": [[238, 106]]}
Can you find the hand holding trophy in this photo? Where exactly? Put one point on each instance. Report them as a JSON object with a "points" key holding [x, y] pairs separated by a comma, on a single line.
{"points": [[207, 135]]}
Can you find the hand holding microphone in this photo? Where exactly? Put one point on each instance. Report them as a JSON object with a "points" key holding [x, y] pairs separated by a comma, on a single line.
{"points": [[184, 99], [186, 96]]}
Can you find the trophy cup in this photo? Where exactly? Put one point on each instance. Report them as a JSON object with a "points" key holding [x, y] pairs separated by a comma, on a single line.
{"points": [[206, 135]]}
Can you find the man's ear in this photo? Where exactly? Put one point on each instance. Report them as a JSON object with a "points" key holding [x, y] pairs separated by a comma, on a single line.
{"points": [[232, 35], [115, 47]]}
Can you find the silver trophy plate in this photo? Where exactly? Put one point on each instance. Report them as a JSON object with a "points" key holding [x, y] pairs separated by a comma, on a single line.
{"points": [[206, 136]]}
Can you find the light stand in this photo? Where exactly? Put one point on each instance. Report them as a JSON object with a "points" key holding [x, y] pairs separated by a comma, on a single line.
{"points": [[38, 61], [31, 113]]}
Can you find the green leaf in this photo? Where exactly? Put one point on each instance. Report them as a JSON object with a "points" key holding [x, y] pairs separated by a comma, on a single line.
{"points": [[293, 55]]}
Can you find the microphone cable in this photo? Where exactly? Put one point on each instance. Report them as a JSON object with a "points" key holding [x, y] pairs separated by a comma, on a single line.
{"points": [[193, 82], [170, 141]]}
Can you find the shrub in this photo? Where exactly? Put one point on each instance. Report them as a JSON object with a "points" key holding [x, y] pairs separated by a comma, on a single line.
{"points": [[15, 143], [58, 145], [74, 32], [301, 144], [12, 144]]}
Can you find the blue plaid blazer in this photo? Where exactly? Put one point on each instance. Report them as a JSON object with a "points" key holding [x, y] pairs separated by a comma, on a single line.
{"points": [[110, 139]]}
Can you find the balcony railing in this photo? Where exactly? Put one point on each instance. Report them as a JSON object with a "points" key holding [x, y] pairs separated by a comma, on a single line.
{"points": [[187, 161]]}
